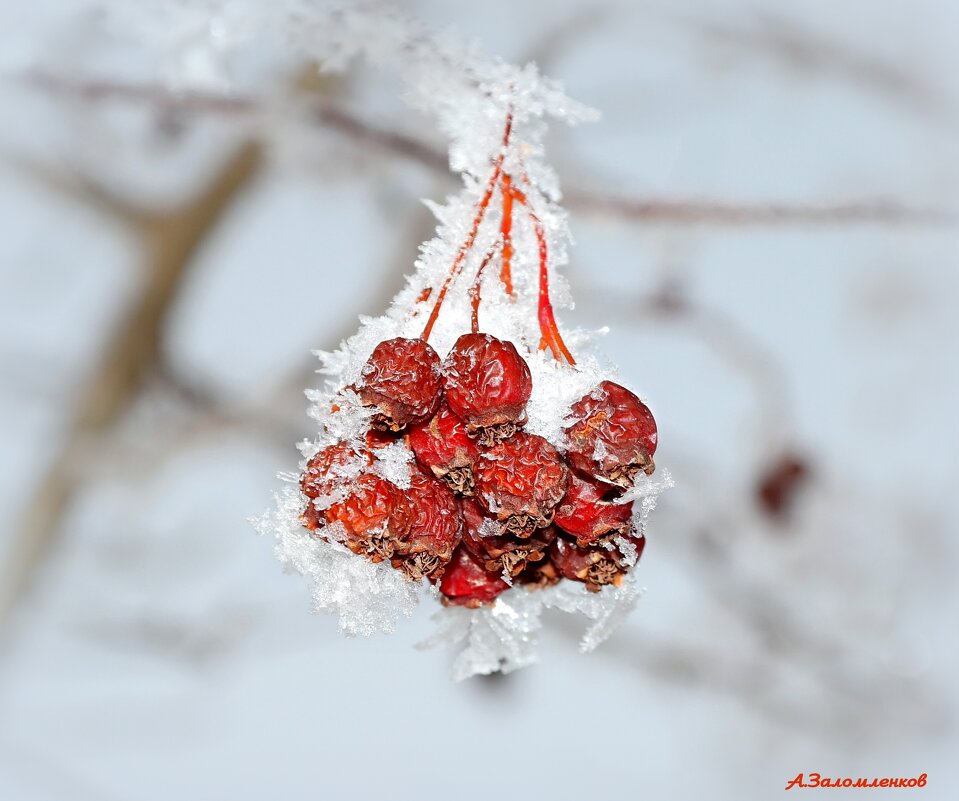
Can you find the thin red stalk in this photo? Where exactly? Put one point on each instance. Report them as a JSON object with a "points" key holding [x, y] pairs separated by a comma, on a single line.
{"points": [[552, 338], [457, 266], [506, 228], [477, 282]]}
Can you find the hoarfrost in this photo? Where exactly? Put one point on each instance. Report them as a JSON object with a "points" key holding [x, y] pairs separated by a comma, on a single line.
{"points": [[393, 464], [503, 637], [367, 598], [470, 96]]}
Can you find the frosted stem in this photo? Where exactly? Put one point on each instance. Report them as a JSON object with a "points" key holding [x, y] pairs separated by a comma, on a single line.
{"points": [[457, 266]]}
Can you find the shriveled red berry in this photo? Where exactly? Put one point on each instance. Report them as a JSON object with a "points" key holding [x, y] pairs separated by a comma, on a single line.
{"points": [[466, 582], [434, 531], [402, 381], [488, 385], [376, 516], [594, 566], [585, 512], [329, 469], [501, 553], [612, 436], [520, 482], [442, 446]]}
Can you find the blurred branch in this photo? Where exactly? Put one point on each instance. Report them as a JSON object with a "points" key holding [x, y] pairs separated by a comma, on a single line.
{"points": [[634, 210], [781, 39], [170, 240]]}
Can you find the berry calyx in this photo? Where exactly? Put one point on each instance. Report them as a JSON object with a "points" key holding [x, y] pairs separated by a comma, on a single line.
{"points": [[538, 575], [587, 514], [612, 436], [488, 385], [402, 382], [434, 531], [499, 553], [520, 482], [594, 566], [466, 582], [375, 517], [442, 446]]}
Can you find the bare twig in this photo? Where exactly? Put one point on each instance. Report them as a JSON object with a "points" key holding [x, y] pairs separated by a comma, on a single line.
{"points": [[170, 240], [633, 210]]}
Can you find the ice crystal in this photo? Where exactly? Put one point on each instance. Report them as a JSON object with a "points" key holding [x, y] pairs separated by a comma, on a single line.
{"points": [[488, 110]]}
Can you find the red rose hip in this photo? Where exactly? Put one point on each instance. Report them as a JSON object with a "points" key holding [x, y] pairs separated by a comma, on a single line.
{"points": [[375, 516], [501, 553], [594, 566], [434, 531], [612, 436], [587, 515], [520, 481], [332, 467], [402, 382], [488, 385], [442, 446], [467, 583]]}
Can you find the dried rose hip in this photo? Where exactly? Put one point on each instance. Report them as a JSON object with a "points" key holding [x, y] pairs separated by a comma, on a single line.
{"points": [[595, 566], [520, 481], [402, 381], [376, 516], [501, 553], [467, 583], [434, 531], [442, 446], [612, 435], [330, 468], [585, 513], [487, 386]]}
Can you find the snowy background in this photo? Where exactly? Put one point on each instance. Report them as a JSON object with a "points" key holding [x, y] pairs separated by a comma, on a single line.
{"points": [[763, 219]]}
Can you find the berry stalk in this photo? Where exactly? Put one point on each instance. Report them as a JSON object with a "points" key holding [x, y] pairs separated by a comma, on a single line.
{"points": [[457, 266], [506, 228], [475, 289], [552, 338]]}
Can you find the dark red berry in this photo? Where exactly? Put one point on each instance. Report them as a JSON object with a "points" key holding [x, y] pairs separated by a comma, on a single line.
{"points": [[375, 515], [612, 436], [442, 446], [501, 553], [487, 386], [588, 515], [467, 583], [402, 381], [520, 481], [594, 566], [434, 531], [779, 484], [331, 467]]}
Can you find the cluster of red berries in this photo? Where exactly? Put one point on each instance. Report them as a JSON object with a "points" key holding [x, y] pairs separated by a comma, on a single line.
{"points": [[489, 504]]}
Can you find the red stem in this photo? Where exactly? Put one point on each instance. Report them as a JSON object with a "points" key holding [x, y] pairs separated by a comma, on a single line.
{"points": [[457, 266], [475, 288], [506, 228], [552, 338]]}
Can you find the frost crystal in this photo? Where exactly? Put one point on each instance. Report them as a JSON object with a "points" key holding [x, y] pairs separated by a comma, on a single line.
{"points": [[367, 597], [494, 115]]}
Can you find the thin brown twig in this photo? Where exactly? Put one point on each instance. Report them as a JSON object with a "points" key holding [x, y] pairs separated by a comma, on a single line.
{"points": [[633, 210], [170, 240]]}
